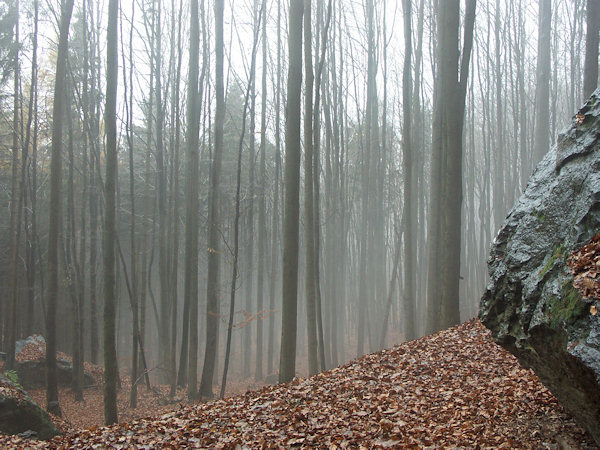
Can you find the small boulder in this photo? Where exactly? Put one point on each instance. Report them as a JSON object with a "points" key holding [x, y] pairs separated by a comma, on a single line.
{"points": [[19, 414], [531, 305]]}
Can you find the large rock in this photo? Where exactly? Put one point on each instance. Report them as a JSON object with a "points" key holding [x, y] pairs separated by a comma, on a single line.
{"points": [[530, 305], [19, 414], [30, 354], [32, 374]]}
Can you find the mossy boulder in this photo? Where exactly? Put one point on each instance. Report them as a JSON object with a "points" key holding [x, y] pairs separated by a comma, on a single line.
{"points": [[530, 304], [20, 414]]}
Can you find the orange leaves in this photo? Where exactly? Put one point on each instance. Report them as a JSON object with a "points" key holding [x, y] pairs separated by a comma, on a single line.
{"points": [[585, 265], [456, 388]]}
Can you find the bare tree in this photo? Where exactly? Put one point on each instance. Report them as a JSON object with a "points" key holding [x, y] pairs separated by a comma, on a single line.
{"points": [[55, 206], [541, 140], [287, 359], [212, 291], [590, 74]]}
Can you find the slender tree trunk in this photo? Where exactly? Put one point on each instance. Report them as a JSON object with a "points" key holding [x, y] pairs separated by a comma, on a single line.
{"points": [[590, 71], [541, 140], [287, 361], [15, 207], [53, 405], [212, 291], [262, 220], [236, 220], [409, 200], [31, 234], [311, 312], [323, 353], [275, 216], [190, 289], [94, 166], [110, 354]]}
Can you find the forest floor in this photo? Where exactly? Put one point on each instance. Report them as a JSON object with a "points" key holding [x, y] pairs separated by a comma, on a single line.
{"points": [[455, 388]]}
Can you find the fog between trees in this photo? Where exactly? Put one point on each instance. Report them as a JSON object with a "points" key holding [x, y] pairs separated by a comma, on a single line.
{"points": [[335, 170]]}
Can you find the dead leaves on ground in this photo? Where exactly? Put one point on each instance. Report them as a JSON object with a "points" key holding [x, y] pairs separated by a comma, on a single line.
{"points": [[453, 388], [585, 265]]}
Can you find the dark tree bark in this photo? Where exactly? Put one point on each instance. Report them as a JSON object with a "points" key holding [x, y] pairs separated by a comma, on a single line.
{"points": [[55, 206], [15, 206], [110, 118], [287, 361], [446, 175]]}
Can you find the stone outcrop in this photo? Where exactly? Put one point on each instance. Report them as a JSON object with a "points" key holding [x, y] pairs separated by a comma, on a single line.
{"points": [[19, 414], [530, 304]]}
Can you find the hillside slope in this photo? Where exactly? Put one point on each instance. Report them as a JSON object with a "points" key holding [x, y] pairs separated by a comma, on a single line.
{"points": [[453, 388]]}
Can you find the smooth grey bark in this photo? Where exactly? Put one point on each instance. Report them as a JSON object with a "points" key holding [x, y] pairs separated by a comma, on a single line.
{"points": [[275, 220], [311, 313], [541, 141], [287, 361], [590, 71], [212, 285], [262, 220], [190, 287], [409, 200]]}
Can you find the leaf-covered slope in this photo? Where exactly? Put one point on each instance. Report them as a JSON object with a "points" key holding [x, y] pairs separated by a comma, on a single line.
{"points": [[453, 388]]}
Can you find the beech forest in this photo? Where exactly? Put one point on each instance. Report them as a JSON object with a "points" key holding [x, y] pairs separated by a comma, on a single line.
{"points": [[204, 197]]}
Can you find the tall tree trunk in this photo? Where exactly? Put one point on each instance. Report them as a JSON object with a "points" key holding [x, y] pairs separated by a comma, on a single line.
{"points": [[212, 291], [287, 360], [163, 216], [175, 142], [275, 216], [190, 286], [316, 169], [541, 140], [236, 219], [409, 200], [370, 152], [58, 109], [446, 182], [311, 312], [31, 226], [262, 220], [590, 71], [15, 207], [135, 339], [110, 353], [94, 167]]}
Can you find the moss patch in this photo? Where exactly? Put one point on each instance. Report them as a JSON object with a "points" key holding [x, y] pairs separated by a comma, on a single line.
{"points": [[558, 253], [567, 308], [539, 215]]}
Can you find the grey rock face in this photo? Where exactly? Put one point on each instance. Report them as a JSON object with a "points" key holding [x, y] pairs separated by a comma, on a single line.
{"points": [[530, 304]]}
